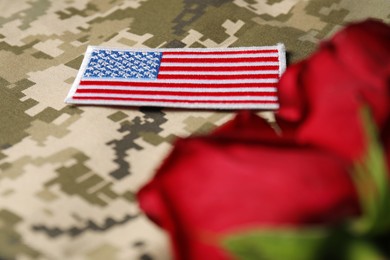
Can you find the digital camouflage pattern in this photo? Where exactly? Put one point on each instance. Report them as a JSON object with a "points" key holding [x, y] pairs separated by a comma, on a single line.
{"points": [[68, 174]]}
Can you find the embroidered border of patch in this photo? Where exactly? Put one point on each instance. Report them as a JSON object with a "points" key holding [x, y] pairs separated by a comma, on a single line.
{"points": [[212, 78]]}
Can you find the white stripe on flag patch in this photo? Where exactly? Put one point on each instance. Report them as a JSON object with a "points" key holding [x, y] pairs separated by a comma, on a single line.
{"points": [[228, 78]]}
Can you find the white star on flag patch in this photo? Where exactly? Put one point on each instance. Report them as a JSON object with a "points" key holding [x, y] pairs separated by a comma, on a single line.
{"points": [[218, 78]]}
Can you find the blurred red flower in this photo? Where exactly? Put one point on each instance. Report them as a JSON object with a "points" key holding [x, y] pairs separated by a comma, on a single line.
{"points": [[245, 176], [221, 183]]}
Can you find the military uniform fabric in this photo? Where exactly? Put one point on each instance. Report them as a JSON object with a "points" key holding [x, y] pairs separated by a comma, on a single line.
{"points": [[69, 174]]}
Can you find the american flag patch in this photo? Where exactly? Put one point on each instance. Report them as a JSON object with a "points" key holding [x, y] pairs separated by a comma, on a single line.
{"points": [[229, 78]]}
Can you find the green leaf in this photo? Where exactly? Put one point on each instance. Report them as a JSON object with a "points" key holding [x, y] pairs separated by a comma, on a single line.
{"points": [[300, 244], [372, 182], [278, 244]]}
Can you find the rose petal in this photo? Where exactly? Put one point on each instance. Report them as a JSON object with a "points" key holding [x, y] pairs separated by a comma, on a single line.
{"points": [[347, 73]]}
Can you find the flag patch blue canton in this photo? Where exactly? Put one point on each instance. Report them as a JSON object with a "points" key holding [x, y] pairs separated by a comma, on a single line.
{"points": [[113, 64]]}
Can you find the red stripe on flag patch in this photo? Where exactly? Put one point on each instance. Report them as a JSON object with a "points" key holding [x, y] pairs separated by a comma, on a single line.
{"points": [[192, 84], [181, 93], [229, 78], [219, 69], [221, 77], [176, 100]]}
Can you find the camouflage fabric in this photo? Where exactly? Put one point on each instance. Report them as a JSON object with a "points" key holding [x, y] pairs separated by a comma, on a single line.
{"points": [[68, 174]]}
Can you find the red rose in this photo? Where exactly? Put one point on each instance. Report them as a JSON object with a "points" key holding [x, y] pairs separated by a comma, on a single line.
{"points": [[233, 180], [244, 176], [325, 93]]}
